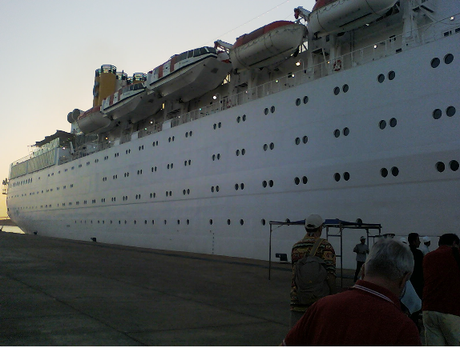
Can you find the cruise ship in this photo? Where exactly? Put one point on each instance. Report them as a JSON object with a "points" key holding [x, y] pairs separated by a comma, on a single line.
{"points": [[348, 111]]}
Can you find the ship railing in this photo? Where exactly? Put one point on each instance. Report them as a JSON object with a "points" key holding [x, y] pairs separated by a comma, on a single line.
{"points": [[300, 75], [304, 74]]}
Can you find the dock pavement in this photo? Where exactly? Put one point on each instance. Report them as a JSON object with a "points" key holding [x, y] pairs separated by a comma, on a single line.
{"points": [[62, 292]]}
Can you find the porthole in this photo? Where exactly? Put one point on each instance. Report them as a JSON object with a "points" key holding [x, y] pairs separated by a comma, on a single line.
{"points": [[337, 133], [345, 88], [440, 166], [264, 184], [165, 221], [238, 119], [244, 118], [272, 146], [241, 222], [346, 131], [297, 141], [263, 222], [381, 78], [228, 222], [265, 147], [297, 181], [391, 75], [395, 171], [453, 165], [337, 177], [211, 222], [382, 124], [305, 139], [393, 122], [450, 111], [336, 90], [435, 62], [448, 58], [266, 111], [271, 183], [437, 114], [237, 152], [304, 180], [237, 187], [305, 99], [346, 176], [242, 186], [298, 102], [272, 109], [384, 172]]}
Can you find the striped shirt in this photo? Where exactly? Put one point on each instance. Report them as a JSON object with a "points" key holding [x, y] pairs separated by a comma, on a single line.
{"points": [[299, 250]]}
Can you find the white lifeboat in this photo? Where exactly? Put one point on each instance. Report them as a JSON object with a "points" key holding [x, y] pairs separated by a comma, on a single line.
{"points": [[130, 102], [267, 45], [93, 121], [189, 75], [329, 16]]}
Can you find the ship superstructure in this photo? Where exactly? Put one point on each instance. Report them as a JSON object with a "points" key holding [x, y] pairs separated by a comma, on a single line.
{"points": [[349, 114]]}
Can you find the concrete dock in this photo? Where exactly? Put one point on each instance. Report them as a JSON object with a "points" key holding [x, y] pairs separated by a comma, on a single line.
{"points": [[63, 292]]}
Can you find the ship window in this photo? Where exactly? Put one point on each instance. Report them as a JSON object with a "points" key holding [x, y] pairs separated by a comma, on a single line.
{"points": [[241, 222], [346, 131], [450, 111], [381, 78], [440, 166], [435, 62], [437, 114], [395, 171], [337, 133], [384, 172], [382, 124], [337, 177], [346, 176], [345, 88], [297, 141], [228, 222], [453, 165], [266, 111], [336, 90], [448, 58], [393, 122], [305, 100], [391, 75]]}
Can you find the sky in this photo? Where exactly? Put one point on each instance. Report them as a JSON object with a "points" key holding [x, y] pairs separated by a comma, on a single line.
{"points": [[49, 50]]}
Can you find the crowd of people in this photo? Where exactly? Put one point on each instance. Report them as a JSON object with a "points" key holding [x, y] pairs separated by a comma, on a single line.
{"points": [[401, 289]]}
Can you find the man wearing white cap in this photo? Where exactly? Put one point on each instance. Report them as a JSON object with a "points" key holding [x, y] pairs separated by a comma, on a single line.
{"points": [[361, 251], [425, 248], [312, 244]]}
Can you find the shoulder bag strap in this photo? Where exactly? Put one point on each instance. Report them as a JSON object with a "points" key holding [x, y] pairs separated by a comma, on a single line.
{"points": [[315, 247]]}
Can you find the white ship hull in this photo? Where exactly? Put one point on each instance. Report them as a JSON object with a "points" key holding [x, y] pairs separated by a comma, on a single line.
{"points": [[212, 185]]}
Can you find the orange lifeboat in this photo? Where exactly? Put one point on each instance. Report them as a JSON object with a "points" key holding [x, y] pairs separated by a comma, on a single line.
{"points": [[267, 45]]}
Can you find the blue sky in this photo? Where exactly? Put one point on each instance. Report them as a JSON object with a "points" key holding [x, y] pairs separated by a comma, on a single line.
{"points": [[50, 49]]}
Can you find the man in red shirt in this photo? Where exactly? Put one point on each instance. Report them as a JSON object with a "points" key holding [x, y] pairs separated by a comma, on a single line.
{"points": [[367, 314], [441, 293]]}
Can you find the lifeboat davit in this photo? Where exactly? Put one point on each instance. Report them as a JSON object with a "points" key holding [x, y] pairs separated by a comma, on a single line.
{"points": [[267, 45], [329, 16], [93, 121], [189, 75]]}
